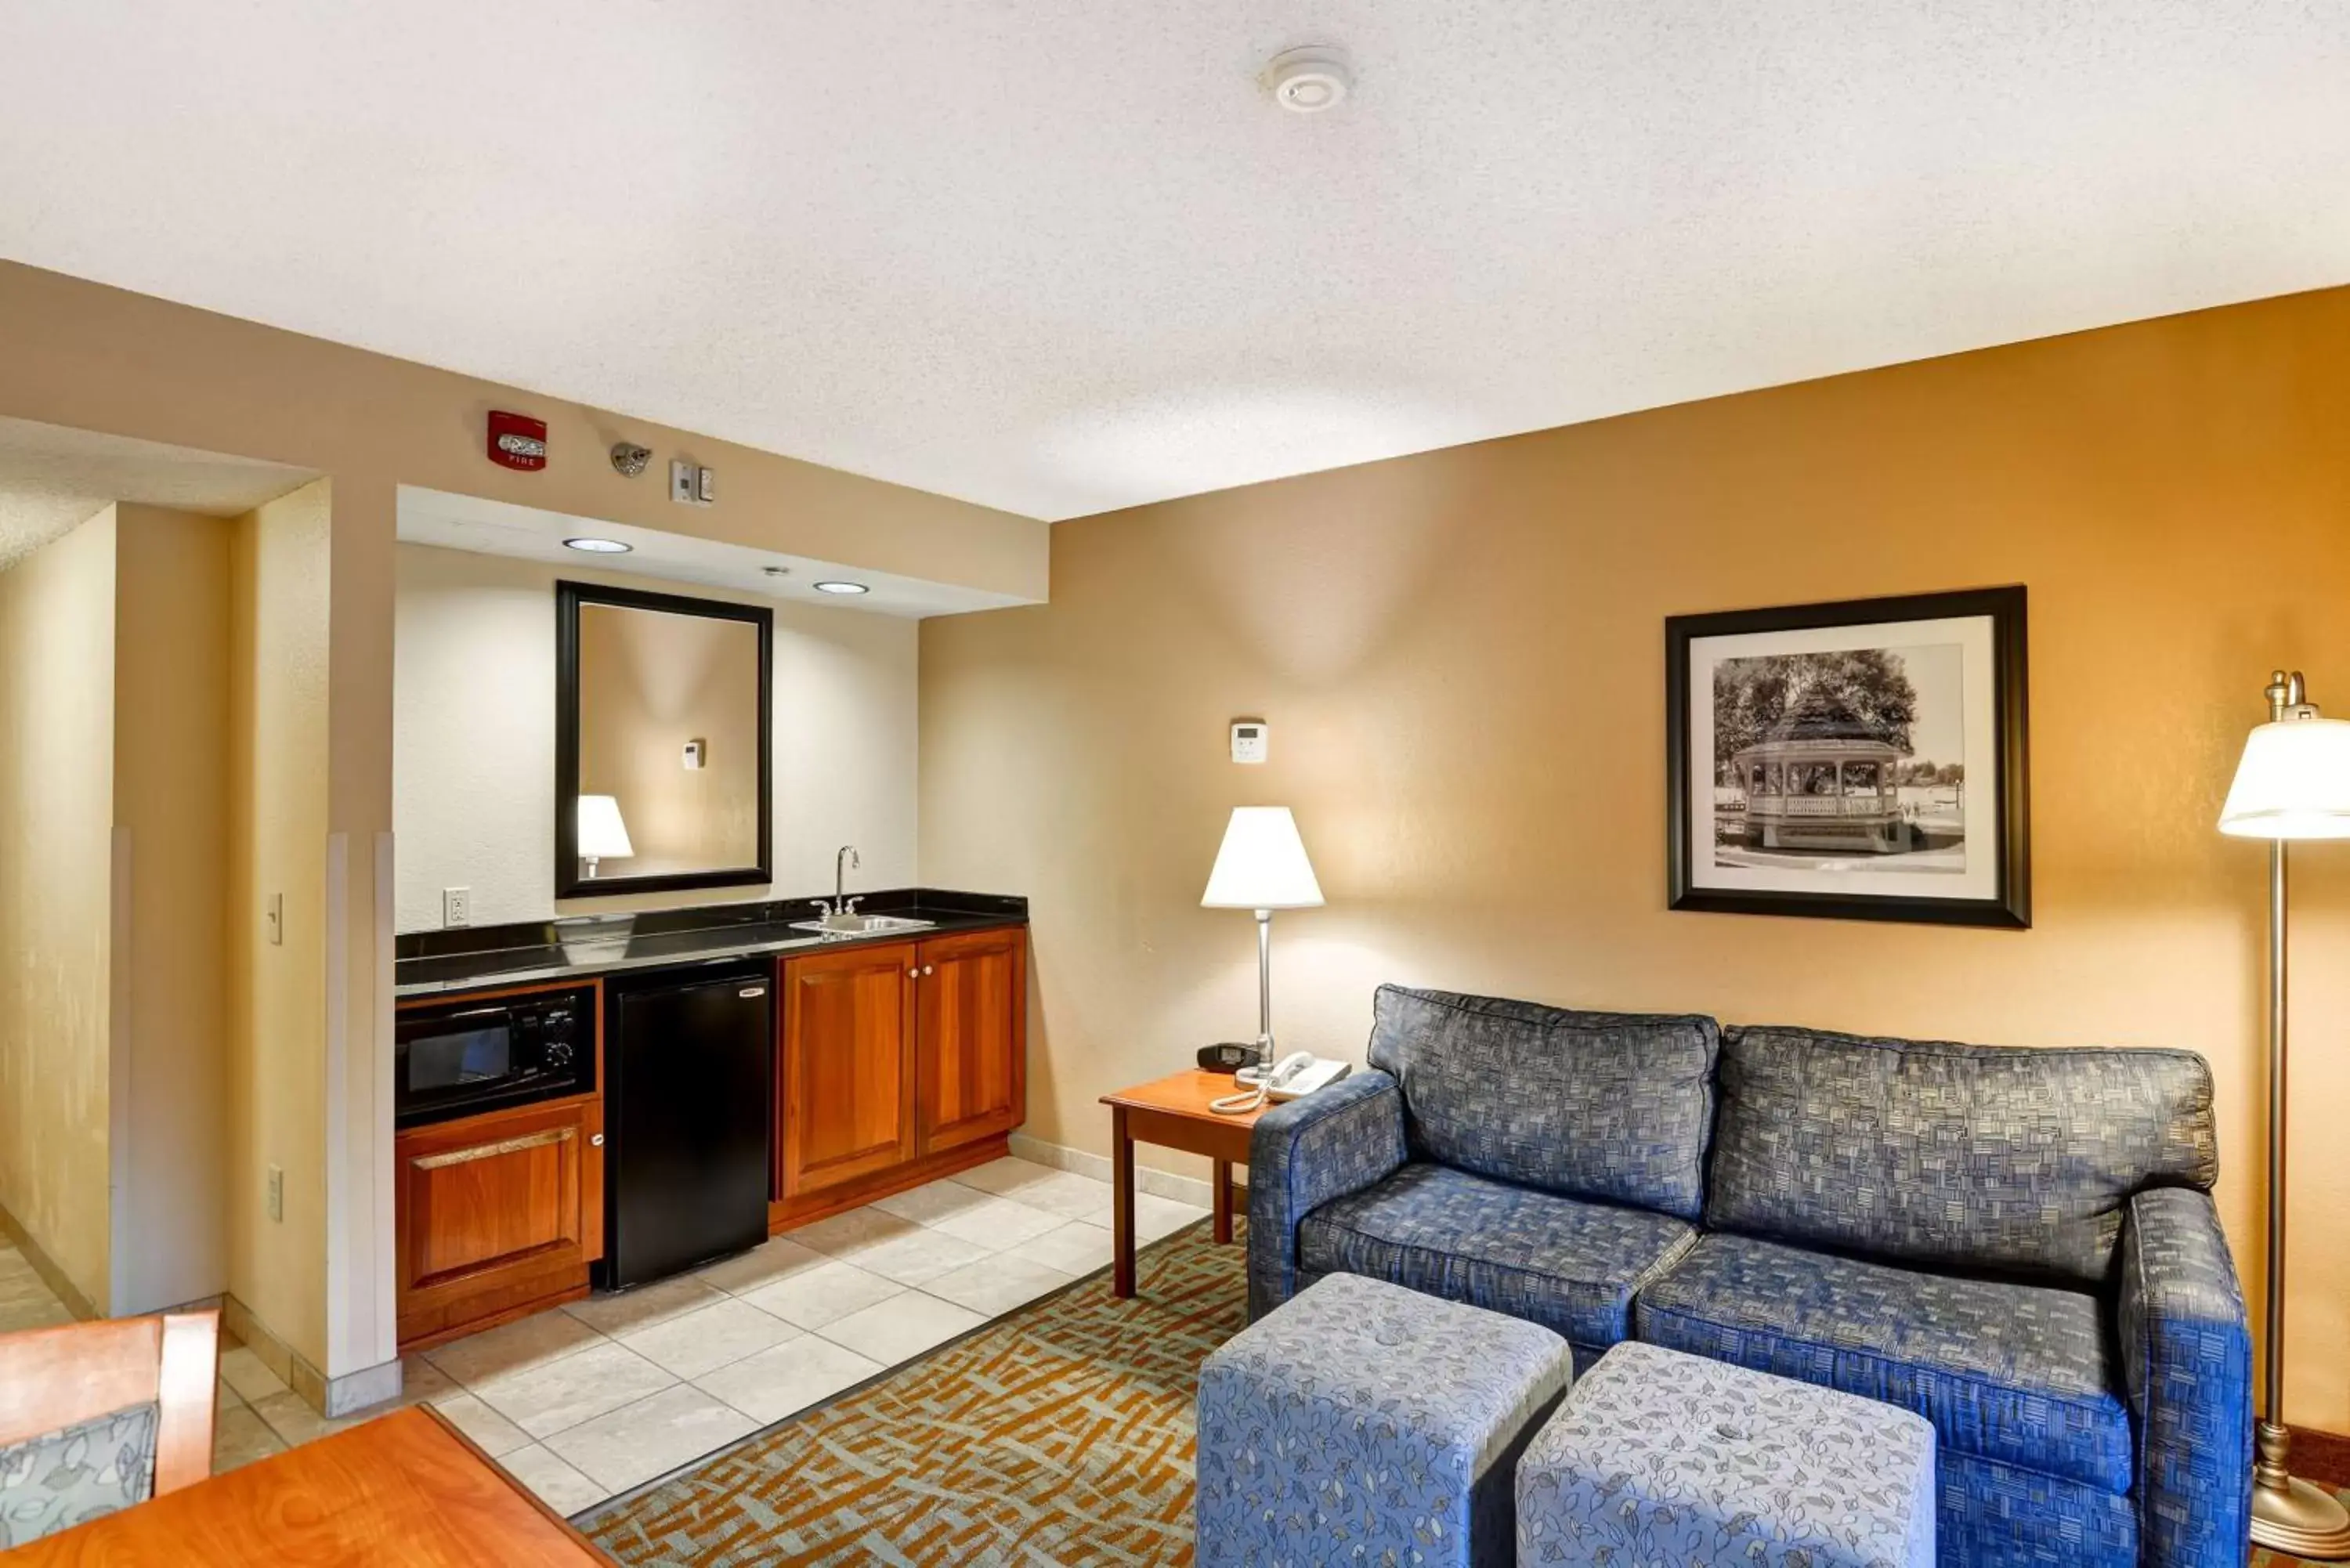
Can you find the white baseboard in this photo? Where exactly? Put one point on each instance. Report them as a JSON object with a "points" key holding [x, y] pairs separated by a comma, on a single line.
{"points": [[357, 1390], [1148, 1179]]}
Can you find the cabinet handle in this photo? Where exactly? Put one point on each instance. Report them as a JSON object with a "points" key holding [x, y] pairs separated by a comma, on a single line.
{"points": [[928, 969], [596, 1142], [492, 1151]]}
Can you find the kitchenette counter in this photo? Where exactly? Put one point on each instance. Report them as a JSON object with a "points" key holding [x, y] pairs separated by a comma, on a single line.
{"points": [[432, 963]]}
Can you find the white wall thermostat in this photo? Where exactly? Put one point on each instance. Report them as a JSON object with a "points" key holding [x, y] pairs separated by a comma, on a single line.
{"points": [[694, 755], [1251, 740], [692, 485]]}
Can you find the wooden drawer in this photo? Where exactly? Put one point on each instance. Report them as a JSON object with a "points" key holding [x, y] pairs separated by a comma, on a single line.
{"points": [[497, 1214]]}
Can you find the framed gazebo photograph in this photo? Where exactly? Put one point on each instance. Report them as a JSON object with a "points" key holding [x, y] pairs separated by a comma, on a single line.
{"points": [[1863, 760]]}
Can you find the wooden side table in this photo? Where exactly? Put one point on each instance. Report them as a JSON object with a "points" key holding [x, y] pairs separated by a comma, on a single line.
{"points": [[1174, 1113]]}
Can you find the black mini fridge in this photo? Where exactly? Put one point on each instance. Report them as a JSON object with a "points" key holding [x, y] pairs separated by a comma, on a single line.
{"points": [[689, 1088]]}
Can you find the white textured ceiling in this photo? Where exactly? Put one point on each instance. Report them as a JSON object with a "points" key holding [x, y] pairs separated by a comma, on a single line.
{"points": [[1060, 255], [52, 478]]}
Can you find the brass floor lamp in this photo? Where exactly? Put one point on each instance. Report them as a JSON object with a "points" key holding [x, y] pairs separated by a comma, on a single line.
{"points": [[2292, 783]]}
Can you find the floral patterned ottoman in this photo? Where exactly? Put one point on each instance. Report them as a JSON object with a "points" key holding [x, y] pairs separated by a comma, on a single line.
{"points": [[1361, 1422], [1659, 1457]]}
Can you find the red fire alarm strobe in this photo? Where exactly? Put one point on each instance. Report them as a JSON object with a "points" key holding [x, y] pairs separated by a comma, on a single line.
{"points": [[517, 441]]}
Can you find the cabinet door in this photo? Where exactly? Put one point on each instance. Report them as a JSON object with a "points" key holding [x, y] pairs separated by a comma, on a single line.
{"points": [[973, 1009], [848, 1058], [496, 1212]]}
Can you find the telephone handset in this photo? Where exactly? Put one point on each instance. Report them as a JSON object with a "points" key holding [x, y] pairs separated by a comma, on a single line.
{"points": [[1294, 1077]]}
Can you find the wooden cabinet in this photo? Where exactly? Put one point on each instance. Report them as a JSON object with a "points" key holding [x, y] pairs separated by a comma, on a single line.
{"points": [[498, 1215], [971, 1037], [896, 1064], [846, 1068]]}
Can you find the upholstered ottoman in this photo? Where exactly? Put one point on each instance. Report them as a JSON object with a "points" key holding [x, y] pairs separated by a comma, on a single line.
{"points": [[1657, 1457], [1361, 1422]]}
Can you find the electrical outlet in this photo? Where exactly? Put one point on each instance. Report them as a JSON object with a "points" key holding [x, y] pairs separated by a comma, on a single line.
{"points": [[278, 1192], [456, 906], [276, 915]]}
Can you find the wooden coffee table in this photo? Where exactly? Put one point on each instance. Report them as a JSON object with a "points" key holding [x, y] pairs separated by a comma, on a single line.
{"points": [[1174, 1113]]}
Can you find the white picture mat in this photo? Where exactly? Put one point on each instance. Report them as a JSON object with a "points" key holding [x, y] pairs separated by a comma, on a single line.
{"points": [[1979, 689]]}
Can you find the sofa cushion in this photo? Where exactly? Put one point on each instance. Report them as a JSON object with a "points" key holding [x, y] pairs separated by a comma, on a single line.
{"points": [[1959, 1156], [2020, 1373], [1597, 1105], [1569, 1265]]}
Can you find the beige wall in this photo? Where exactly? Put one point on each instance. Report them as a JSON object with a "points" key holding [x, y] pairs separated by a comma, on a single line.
{"points": [[113, 696], [277, 1004], [171, 812], [474, 764], [56, 903], [1461, 658]]}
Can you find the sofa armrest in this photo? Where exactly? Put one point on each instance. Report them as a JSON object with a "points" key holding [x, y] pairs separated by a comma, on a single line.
{"points": [[2186, 1358], [1304, 1154]]}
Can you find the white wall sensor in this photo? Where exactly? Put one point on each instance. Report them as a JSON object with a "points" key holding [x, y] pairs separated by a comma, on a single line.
{"points": [[1252, 738]]}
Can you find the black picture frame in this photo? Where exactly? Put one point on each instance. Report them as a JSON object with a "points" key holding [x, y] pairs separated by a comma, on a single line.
{"points": [[569, 597], [2010, 906]]}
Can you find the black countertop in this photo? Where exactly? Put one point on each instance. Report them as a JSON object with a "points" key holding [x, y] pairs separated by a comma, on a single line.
{"points": [[431, 963]]}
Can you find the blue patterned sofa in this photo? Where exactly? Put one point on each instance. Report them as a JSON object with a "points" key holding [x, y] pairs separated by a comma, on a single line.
{"points": [[2019, 1245]]}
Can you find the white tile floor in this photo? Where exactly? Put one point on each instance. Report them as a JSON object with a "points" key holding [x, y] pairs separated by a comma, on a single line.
{"points": [[591, 1399]]}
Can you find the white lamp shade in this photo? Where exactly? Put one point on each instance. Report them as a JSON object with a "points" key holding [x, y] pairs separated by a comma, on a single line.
{"points": [[1262, 865], [2292, 783], [602, 834]]}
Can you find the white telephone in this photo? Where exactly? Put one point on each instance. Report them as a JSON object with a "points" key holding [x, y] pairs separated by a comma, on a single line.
{"points": [[1294, 1077]]}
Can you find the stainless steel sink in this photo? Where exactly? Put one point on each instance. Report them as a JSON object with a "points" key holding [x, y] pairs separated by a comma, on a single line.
{"points": [[862, 925]]}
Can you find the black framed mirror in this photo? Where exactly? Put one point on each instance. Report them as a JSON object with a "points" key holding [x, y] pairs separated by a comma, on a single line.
{"points": [[663, 742]]}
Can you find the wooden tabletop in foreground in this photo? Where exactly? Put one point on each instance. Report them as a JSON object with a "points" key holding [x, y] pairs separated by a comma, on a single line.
{"points": [[404, 1489]]}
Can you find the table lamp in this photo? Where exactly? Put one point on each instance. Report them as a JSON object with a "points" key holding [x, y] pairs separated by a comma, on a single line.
{"points": [[2292, 783], [1262, 867], [602, 834]]}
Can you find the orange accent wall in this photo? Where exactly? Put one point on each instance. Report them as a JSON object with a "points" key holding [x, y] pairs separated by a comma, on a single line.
{"points": [[1461, 655]]}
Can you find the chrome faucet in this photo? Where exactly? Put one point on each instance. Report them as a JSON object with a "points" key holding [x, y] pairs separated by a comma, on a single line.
{"points": [[842, 904]]}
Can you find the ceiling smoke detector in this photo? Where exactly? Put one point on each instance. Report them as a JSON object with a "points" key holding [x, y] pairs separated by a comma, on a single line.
{"points": [[1309, 80]]}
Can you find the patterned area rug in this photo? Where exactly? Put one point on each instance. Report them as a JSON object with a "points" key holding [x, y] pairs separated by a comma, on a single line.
{"points": [[1058, 1435]]}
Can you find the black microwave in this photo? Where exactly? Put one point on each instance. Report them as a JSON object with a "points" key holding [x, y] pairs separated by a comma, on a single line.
{"points": [[458, 1057]]}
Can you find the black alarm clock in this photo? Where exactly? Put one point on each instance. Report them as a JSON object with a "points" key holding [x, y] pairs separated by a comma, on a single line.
{"points": [[1227, 1058]]}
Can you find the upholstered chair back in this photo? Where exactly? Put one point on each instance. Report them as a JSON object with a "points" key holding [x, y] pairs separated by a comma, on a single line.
{"points": [[98, 1417], [1610, 1106], [2017, 1161]]}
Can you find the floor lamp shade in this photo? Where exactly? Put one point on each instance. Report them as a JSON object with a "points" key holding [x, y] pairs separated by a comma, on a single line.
{"points": [[2293, 783], [1262, 865]]}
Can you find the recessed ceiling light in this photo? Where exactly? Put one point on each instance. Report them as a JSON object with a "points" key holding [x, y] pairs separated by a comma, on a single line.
{"points": [[1309, 80], [842, 589], [599, 546]]}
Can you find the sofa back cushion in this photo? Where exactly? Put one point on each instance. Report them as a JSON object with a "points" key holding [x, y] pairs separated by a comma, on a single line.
{"points": [[1609, 1106], [1959, 1156]]}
